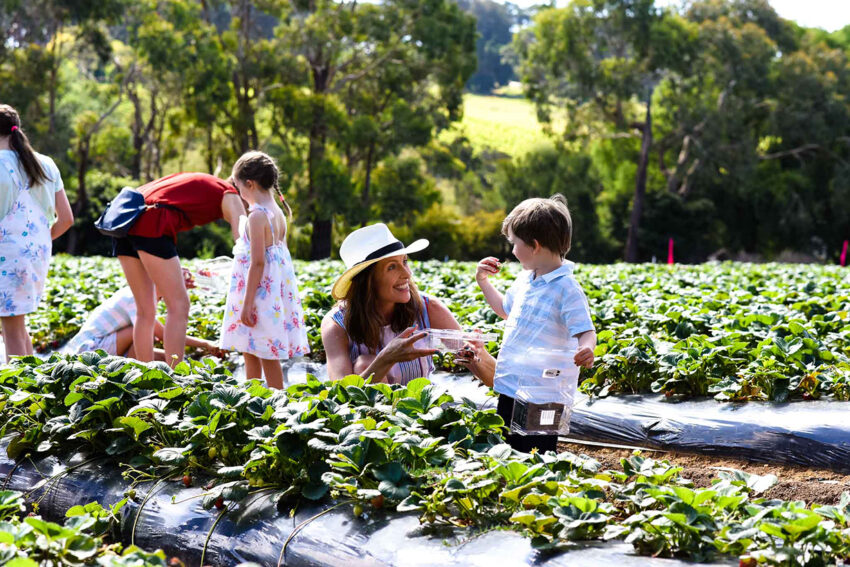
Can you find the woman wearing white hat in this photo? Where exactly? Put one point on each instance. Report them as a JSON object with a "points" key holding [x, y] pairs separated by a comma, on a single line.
{"points": [[381, 318]]}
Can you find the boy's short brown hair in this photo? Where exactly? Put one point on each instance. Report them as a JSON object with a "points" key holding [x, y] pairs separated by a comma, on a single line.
{"points": [[547, 221]]}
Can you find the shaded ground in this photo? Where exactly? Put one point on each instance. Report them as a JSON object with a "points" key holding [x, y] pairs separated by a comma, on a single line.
{"points": [[795, 483]]}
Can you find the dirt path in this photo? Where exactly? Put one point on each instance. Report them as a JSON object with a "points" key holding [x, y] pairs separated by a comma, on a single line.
{"points": [[795, 483]]}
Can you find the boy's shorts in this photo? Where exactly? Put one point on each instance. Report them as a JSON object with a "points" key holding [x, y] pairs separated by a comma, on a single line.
{"points": [[161, 246], [523, 443]]}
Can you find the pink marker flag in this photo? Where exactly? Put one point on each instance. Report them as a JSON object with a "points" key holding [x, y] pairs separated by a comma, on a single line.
{"points": [[844, 254], [670, 251]]}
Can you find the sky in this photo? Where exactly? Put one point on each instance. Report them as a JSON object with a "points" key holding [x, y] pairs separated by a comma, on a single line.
{"points": [[827, 14]]}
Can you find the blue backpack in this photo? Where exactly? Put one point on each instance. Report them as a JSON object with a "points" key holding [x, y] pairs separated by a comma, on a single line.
{"points": [[123, 211]]}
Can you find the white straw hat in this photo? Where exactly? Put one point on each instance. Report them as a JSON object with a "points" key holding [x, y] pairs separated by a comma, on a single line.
{"points": [[364, 247]]}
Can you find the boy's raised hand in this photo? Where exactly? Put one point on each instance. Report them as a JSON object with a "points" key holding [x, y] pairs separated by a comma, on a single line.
{"points": [[486, 268], [584, 357]]}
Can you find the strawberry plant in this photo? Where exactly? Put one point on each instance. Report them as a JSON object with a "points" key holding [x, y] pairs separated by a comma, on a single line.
{"points": [[30, 541], [737, 332], [385, 449]]}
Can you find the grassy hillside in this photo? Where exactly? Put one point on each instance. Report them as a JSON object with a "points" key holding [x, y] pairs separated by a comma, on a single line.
{"points": [[506, 124]]}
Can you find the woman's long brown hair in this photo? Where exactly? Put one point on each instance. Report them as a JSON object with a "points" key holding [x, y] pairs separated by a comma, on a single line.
{"points": [[361, 318], [10, 125]]}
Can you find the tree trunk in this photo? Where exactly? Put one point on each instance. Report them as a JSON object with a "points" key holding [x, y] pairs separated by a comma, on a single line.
{"points": [[138, 134], [640, 186], [82, 200], [54, 79], [246, 127], [320, 243], [51, 121], [366, 198], [210, 162]]}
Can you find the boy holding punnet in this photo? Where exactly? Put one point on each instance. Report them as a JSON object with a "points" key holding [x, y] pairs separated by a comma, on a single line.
{"points": [[545, 306]]}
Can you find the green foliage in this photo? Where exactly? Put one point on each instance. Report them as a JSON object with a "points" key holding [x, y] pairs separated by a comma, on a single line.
{"points": [[439, 225], [735, 332], [402, 189], [30, 541], [398, 448], [494, 23], [749, 117], [547, 171], [738, 333]]}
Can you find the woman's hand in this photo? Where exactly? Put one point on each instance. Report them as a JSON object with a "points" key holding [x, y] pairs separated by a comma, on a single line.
{"points": [[475, 358], [249, 314], [402, 348]]}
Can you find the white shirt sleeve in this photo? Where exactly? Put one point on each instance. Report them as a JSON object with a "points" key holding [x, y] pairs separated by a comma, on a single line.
{"points": [[8, 190], [508, 301], [7, 183], [575, 311], [52, 170]]}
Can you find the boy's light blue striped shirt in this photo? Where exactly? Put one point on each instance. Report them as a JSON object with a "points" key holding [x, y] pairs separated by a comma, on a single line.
{"points": [[112, 315], [544, 312]]}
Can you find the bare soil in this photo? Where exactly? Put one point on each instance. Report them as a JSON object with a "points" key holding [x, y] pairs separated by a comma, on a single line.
{"points": [[819, 486]]}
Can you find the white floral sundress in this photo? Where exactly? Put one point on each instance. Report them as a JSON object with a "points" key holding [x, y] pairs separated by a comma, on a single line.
{"points": [[25, 244], [279, 333]]}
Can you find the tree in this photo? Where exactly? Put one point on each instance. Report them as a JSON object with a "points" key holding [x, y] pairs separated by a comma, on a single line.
{"points": [[342, 45], [41, 25], [494, 22], [402, 190], [599, 61], [398, 105], [216, 57], [757, 128], [549, 170]]}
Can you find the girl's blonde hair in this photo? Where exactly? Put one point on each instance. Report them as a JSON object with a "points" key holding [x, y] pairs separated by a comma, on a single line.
{"points": [[260, 168]]}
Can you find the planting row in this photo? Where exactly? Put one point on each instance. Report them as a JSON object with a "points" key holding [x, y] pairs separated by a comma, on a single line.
{"points": [[405, 448], [733, 331]]}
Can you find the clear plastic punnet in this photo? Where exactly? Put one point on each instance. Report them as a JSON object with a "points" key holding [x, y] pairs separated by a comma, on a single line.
{"points": [[547, 382], [214, 275], [451, 340]]}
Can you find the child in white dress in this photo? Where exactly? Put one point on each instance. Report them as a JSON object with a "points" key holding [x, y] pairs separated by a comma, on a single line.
{"points": [[34, 210], [263, 317]]}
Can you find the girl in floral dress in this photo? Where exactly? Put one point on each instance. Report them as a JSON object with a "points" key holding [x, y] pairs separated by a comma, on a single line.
{"points": [[33, 211], [263, 317]]}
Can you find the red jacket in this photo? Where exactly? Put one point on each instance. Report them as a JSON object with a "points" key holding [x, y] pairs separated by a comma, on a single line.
{"points": [[197, 195]]}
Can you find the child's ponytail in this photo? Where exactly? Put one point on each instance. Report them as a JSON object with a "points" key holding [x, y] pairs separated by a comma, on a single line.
{"points": [[261, 169], [286, 208], [10, 125]]}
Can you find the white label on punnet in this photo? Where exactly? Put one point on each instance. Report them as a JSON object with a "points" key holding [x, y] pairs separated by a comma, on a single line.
{"points": [[547, 417]]}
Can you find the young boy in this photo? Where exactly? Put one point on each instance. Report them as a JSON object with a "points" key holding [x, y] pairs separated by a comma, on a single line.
{"points": [[545, 306]]}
